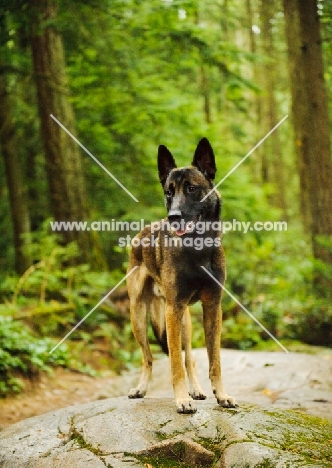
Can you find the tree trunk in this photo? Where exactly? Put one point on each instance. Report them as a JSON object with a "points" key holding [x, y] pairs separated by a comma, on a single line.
{"points": [[206, 94], [311, 124], [15, 183], [272, 163], [259, 158], [63, 158]]}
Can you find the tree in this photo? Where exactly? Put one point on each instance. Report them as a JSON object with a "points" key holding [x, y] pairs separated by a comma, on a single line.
{"points": [[14, 175], [272, 167], [63, 160], [311, 123]]}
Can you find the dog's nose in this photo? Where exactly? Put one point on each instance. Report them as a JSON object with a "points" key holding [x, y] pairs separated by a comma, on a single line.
{"points": [[174, 215]]}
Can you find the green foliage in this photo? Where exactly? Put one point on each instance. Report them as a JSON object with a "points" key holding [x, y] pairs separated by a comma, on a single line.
{"points": [[22, 354], [312, 322], [240, 333], [139, 85], [54, 293], [51, 297], [274, 282]]}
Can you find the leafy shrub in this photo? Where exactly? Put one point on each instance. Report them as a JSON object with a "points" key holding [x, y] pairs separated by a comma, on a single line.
{"points": [[312, 322], [50, 298], [271, 274], [24, 355], [54, 294], [240, 333]]}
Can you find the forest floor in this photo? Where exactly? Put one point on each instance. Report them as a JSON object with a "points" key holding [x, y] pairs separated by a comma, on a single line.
{"points": [[62, 388], [291, 381]]}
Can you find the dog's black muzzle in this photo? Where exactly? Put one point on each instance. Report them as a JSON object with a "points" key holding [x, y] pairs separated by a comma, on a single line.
{"points": [[174, 216]]}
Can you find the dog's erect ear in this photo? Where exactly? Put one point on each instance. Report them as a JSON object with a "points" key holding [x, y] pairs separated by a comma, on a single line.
{"points": [[204, 159], [165, 163]]}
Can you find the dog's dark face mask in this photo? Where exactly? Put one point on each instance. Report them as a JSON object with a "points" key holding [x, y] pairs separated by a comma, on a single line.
{"points": [[185, 187]]}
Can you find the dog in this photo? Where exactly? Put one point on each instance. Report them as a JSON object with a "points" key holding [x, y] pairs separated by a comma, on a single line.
{"points": [[168, 256]]}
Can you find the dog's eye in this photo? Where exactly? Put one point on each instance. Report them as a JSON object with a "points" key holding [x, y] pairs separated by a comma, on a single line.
{"points": [[191, 188], [168, 193]]}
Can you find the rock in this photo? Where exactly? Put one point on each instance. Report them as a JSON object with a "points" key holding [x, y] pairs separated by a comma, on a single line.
{"points": [[251, 454], [180, 448], [119, 433], [302, 382]]}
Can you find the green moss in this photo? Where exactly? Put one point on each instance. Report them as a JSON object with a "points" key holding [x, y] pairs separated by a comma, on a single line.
{"points": [[174, 459], [266, 464], [311, 436], [78, 439], [163, 436], [215, 445], [165, 423]]}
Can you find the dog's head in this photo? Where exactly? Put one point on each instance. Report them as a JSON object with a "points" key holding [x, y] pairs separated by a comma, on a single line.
{"points": [[185, 187]]}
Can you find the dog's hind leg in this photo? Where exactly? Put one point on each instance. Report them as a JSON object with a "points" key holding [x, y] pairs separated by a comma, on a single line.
{"points": [[139, 326], [195, 391], [157, 316], [138, 316]]}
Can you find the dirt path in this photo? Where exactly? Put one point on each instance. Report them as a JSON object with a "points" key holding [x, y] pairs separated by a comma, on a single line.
{"points": [[64, 388], [298, 381]]}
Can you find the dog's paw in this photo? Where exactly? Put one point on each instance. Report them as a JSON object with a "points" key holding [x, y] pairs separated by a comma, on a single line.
{"points": [[136, 393], [197, 394], [185, 405], [227, 402]]}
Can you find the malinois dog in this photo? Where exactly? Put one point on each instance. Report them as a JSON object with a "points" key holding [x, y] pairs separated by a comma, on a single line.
{"points": [[168, 257]]}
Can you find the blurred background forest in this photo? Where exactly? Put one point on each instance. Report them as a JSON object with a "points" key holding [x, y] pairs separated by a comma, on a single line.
{"points": [[124, 76]]}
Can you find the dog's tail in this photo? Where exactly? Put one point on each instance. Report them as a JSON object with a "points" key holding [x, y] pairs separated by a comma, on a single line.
{"points": [[158, 322]]}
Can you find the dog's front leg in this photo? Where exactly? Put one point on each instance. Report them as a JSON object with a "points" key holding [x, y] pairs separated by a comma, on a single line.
{"points": [[183, 401], [212, 316], [195, 391]]}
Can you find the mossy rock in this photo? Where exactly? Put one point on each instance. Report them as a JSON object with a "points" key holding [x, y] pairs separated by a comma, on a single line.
{"points": [[127, 433]]}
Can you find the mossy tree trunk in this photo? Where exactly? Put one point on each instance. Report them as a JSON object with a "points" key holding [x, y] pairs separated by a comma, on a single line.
{"points": [[63, 159], [311, 127], [272, 167], [14, 176]]}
